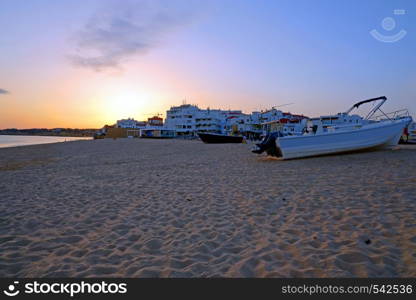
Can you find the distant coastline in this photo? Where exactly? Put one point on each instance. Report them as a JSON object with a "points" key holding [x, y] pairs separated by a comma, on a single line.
{"points": [[61, 132]]}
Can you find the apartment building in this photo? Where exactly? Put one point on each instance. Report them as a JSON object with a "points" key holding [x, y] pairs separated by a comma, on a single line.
{"points": [[189, 119]]}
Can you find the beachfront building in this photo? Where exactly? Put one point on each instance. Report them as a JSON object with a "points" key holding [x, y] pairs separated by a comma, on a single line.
{"points": [[128, 127], [274, 119], [257, 124], [133, 124], [130, 123], [209, 120], [155, 121], [270, 115], [233, 120], [155, 129], [252, 125], [132, 128], [159, 133], [189, 119], [182, 119]]}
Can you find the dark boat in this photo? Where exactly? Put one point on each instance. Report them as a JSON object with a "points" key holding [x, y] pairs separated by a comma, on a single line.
{"points": [[214, 138]]}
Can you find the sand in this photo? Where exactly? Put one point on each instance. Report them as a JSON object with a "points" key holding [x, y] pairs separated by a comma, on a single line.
{"points": [[174, 208]]}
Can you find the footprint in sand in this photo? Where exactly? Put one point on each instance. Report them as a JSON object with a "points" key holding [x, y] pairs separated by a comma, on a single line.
{"points": [[353, 257]]}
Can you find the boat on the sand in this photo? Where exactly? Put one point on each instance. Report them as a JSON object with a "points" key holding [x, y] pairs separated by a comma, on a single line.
{"points": [[321, 138], [216, 138]]}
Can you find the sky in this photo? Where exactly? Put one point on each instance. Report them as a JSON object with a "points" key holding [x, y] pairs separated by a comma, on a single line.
{"points": [[86, 63]]}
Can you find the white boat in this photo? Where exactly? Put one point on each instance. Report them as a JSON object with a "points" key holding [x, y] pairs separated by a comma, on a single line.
{"points": [[321, 138]]}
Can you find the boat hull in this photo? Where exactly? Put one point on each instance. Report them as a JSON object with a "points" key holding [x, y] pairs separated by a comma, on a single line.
{"points": [[377, 135], [210, 138]]}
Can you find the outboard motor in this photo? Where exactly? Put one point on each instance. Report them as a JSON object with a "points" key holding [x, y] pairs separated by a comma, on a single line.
{"points": [[268, 144]]}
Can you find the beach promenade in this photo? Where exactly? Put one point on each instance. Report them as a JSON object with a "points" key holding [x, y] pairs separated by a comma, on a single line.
{"points": [[176, 208]]}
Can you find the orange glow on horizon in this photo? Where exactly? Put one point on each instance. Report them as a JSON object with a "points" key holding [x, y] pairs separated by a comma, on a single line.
{"points": [[74, 98]]}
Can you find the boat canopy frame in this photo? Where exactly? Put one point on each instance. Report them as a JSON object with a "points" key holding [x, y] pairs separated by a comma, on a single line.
{"points": [[371, 113]]}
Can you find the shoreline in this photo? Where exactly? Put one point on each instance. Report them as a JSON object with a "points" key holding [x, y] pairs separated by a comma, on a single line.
{"points": [[22, 143], [31, 135]]}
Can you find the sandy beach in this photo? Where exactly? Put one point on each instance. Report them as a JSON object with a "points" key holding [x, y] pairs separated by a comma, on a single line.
{"points": [[175, 208]]}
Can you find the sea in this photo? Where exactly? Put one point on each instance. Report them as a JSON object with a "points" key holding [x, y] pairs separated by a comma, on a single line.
{"points": [[25, 140]]}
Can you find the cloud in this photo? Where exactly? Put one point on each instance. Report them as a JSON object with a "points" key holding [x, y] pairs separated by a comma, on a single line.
{"points": [[126, 29], [4, 92]]}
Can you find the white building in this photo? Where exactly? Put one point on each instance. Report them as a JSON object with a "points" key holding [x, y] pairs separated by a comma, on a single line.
{"points": [[182, 119], [208, 120], [235, 121], [189, 119], [154, 122], [130, 123]]}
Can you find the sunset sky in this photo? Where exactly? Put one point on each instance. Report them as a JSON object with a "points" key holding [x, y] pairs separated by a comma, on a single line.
{"points": [[86, 63]]}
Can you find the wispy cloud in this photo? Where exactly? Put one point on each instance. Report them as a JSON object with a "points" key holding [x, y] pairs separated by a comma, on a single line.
{"points": [[4, 92], [128, 29]]}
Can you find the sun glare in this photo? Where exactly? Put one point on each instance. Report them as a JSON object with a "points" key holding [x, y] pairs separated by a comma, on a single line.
{"points": [[125, 104]]}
